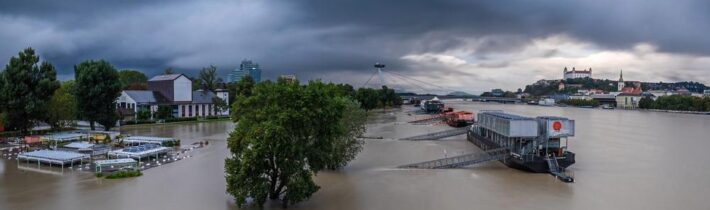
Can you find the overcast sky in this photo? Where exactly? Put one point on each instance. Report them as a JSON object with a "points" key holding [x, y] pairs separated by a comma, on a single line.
{"points": [[456, 44]]}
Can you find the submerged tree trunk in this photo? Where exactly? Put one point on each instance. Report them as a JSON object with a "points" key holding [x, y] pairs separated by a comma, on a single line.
{"points": [[91, 124], [273, 192], [284, 202]]}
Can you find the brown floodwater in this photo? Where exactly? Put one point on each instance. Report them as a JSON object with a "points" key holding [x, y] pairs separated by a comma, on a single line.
{"points": [[625, 160]]}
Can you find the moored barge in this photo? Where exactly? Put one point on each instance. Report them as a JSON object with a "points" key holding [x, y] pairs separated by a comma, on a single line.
{"points": [[537, 145]]}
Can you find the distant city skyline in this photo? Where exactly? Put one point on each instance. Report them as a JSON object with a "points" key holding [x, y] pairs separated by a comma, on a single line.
{"points": [[247, 67], [470, 46]]}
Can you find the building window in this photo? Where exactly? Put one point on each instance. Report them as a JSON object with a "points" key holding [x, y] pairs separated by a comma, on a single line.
{"points": [[189, 110], [197, 110], [203, 109], [183, 110]]}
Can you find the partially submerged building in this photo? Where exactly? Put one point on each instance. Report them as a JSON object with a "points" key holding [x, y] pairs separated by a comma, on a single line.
{"points": [[140, 140], [115, 164], [173, 91], [53, 157], [139, 152]]}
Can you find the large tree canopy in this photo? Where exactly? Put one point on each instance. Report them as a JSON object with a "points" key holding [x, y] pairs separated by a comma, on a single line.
{"points": [[62, 106], [285, 134], [97, 87], [132, 80], [26, 90], [208, 78]]}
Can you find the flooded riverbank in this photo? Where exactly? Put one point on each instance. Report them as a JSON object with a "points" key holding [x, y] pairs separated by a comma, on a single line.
{"points": [[625, 160]]}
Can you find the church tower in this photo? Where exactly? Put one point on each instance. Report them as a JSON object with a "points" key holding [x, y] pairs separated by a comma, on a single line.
{"points": [[621, 80]]}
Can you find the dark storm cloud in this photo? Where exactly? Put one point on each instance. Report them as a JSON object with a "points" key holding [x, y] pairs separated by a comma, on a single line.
{"points": [[316, 37]]}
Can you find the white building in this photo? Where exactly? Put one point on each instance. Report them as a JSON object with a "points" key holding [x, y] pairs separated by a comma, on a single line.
{"points": [[576, 73], [174, 91]]}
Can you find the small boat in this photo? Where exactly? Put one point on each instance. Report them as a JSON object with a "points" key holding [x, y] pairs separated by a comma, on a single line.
{"points": [[459, 119]]}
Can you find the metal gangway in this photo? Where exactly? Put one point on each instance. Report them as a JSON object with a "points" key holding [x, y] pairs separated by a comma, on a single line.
{"points": [[438, 135], [461, 160], [556, 171]]}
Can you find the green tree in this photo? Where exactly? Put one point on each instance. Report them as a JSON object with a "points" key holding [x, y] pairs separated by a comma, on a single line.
{"points": [[353, 121], [383, 96], [367, 97], [208, 78], [164, 112], [143, 114], [346, 90], [509, 94], [169, 70], [285, 134], [97, 87], [132, 80], [62, 106], [244, 86], [26, 90], [219, 105], [645, 103]]}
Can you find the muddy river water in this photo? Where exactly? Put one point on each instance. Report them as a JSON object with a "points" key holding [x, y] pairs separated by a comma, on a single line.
{"points": [[625, 160]]}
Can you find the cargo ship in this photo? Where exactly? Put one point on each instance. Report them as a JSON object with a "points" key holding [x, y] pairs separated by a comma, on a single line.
{"points": [[537, 145]]}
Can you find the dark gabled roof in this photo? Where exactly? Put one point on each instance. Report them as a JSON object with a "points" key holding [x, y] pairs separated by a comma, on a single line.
{"points": [[147, 96], [141, 96], [202, 97], [164, 77], [160, 98]]}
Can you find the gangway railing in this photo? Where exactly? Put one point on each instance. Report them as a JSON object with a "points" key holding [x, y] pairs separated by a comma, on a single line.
{"points": [[556, 171], [461, 160], [438, 135], [428, 120]]}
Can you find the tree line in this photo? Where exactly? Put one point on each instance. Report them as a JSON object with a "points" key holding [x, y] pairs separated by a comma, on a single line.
{"points": [[370, 98], [677, 102], [31, 94]]}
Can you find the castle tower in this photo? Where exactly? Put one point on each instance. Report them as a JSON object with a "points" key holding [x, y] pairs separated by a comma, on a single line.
{"points": [[621, 80]]}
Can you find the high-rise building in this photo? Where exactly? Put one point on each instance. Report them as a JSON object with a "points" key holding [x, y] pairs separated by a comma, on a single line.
{"points": [[247, 67]]}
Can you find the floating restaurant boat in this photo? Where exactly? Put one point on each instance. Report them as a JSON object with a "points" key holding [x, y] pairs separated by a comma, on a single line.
{"points": [[534, 144]]}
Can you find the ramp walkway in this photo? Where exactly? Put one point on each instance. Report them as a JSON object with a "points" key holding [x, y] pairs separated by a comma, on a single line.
{"points": [[438, 135], [461, 160], [556, 171], [428, 120]]}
